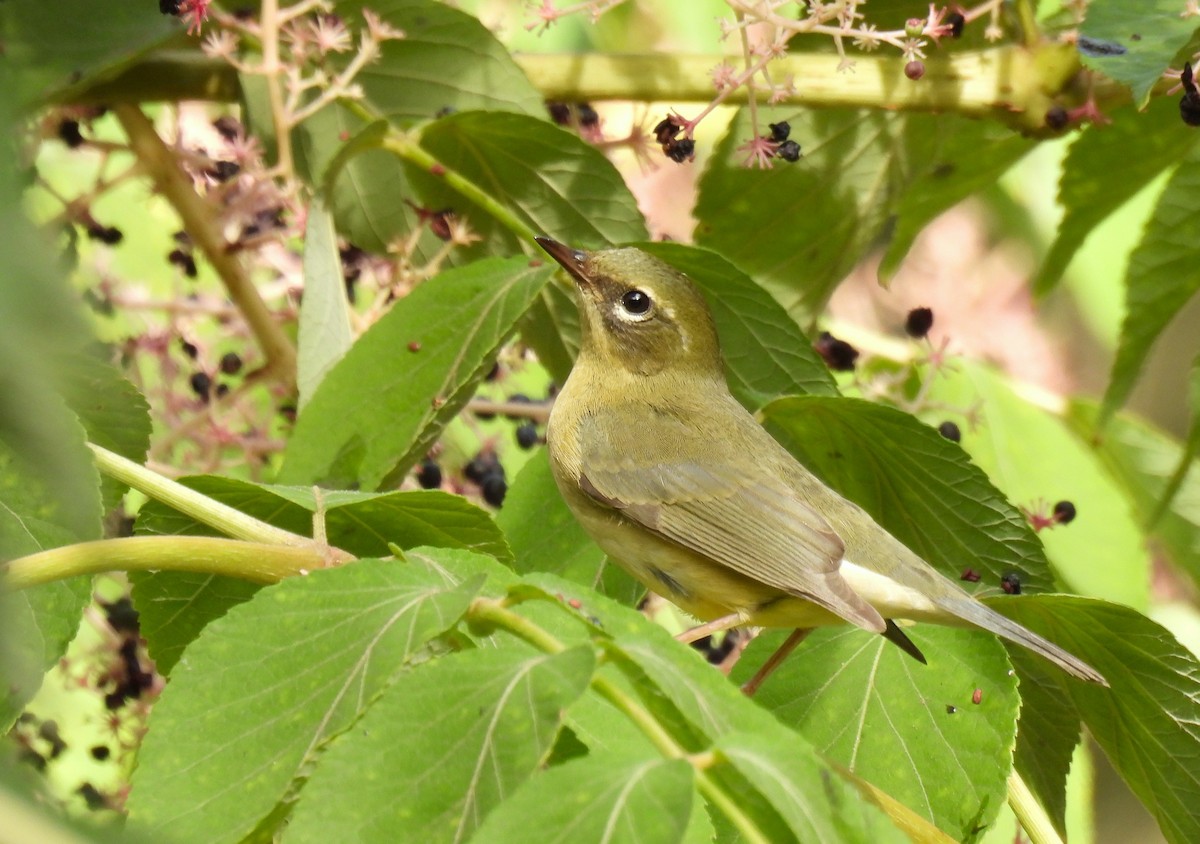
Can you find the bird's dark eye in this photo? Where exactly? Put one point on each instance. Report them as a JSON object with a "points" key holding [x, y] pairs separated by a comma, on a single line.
{"points": [[636, 302]]}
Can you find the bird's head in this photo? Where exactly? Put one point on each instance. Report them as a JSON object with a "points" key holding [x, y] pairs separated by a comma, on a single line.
{"points": [[640, 313]]}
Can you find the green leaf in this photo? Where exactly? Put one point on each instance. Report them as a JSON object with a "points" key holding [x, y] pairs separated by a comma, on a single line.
{"points": [[378, 411], [1099, 175], [1146, 722], [448, 742], [1102, 552], [1142, 460], [1133, 43], [74, 43], [555, 182], [799, 228], [175, 606], [1162, 276], [916, 484], [39, 623], [697, 706], [766, 353], [946, 159], [910, 729], [114, 414], [324, 312], [551, 329], [447, 60], [597, 798], [545, 536], [793, 787], [1047, 734], [364, 187], [263, 687]]}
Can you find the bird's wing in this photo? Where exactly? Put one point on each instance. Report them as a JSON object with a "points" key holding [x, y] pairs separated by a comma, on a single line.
{"points": [[756, 526]]}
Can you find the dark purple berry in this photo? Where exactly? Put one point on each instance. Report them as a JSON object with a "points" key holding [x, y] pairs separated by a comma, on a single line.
{"points": [[789, 151], [969, 575], [1011, 583], [101, 752], [231, 363], [914, 70], [189, 349], [527, 435], [681, 150], [485, 463], [429, 476], [587, 115], [1057, 118], [950, 431], [223, 171], [560, 113], [1064, 512], [121, 616], [956, 22], [221, 391], [780, 131], [494, 488], [837, 354], [69, 134], [918, 322], [201, 384], [92, 796]]}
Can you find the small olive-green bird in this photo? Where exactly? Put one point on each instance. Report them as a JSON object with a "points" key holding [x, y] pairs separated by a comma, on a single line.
{"points": [[680, 485]]}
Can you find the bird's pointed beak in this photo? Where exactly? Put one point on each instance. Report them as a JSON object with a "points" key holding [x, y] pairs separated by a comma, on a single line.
{"points": [[574, 261]]}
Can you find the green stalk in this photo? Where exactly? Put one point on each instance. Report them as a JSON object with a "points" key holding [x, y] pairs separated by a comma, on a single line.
{"points": [[253, 561], [1029, 812]]}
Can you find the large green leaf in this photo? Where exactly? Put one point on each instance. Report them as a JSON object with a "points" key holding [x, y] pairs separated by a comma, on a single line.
{"points": [[701, 710], [1143, 459], [175, 606], [546, 537], [1099, 175], [945, 160], [447, 60], [324, 312], [1036, 460], [1047, 734], [919, 486], [77, 42], [799, 228], [265, 686], [598, 798], [551, 179], [1133, 42], [766, 353], [1163, 274], [910, 729], [1147, 722], [378, 411], [447, 743]]}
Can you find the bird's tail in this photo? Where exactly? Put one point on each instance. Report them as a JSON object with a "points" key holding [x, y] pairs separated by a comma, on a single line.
{"points": [[985, 618]]}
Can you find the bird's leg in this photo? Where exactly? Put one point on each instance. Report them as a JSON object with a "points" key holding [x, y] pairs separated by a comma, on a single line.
{"points": [[775, 660], [725, 622]]}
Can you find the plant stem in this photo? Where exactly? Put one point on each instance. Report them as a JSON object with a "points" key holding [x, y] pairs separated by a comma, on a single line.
{"points": [[494, 612], [271, 68], [1029, 812], [253, 561], [200, 221], [403, 146], [200, 507]]}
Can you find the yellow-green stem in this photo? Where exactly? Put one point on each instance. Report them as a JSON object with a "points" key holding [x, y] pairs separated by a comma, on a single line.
{"points": [[494, 612], [1029, 812], [252, 561], [200, 220], [200, 507]]}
